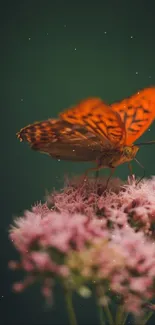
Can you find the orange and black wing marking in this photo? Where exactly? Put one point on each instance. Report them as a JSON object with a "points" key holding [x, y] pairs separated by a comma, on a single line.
{"points": [[98, 118], [137, 113], [61, 140]]}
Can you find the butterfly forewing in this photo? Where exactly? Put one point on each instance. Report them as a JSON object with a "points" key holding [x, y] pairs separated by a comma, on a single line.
{"points": [[98, 118], [137, 112]]}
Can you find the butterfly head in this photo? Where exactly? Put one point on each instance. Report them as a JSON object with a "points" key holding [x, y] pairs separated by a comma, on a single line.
{"points": [[126, 154], [129, 152]]}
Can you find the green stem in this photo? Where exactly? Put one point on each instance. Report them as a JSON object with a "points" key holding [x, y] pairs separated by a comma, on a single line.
{"points": [[121, 316], [70, 309], [108, 315], [125, 318], [148, 316], [101, 315]]}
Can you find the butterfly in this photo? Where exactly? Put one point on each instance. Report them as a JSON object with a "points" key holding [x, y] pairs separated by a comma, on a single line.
{"points": [[95, 131]]}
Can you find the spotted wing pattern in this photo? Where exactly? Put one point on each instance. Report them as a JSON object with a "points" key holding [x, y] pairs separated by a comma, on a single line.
{"points": [[98, 118], [61, 140], [137, 113]]}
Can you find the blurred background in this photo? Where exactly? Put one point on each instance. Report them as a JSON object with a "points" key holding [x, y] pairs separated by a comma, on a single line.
{"points": [[54, 53]]}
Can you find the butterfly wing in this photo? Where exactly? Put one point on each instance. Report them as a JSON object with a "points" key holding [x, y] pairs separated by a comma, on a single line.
{"points": [[137, 113], [98, 118], [61, 140]]}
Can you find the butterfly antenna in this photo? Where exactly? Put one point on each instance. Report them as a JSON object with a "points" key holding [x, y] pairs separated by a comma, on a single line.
{"points": [[137, 161], [145, 143]]}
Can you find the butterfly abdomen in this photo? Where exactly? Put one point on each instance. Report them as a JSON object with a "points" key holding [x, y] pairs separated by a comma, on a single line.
{"points": [[108, 157]]}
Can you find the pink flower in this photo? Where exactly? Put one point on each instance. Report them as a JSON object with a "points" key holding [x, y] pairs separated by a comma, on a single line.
{"points": [[87, 233], [59, 230]]}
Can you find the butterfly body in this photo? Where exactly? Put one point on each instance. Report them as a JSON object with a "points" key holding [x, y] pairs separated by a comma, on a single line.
{"points": [[94, 131], [116, 157]]}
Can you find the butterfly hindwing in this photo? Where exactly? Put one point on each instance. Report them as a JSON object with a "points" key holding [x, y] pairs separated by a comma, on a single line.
{"points": [[62, 140]]}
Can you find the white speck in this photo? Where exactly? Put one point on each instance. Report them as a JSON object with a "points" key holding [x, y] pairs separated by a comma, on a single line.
{"points": [[58, 159], [136, 72], [84, 292], [29, 38], [131, 36], [73, 149], [149, 77], [2, 296], [149, 129], [46, 33], [105, 32], [75, 49], [65, 25], [21, 99]]}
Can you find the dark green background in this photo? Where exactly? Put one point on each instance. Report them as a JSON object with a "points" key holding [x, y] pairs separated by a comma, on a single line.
{"points": [[54, 53]]}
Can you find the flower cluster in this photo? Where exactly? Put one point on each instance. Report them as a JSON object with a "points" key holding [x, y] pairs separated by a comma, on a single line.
{"points": [[89, 235]]}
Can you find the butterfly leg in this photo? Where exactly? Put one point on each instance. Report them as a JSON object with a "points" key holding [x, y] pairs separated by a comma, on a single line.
{"points": [[130, 169], [93, 169], [85, 175], [112, 170], [132, 176], [97, 174], [143, 170]]}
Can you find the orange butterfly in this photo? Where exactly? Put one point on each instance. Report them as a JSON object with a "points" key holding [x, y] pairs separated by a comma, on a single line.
{"points": [[94, 131]]}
